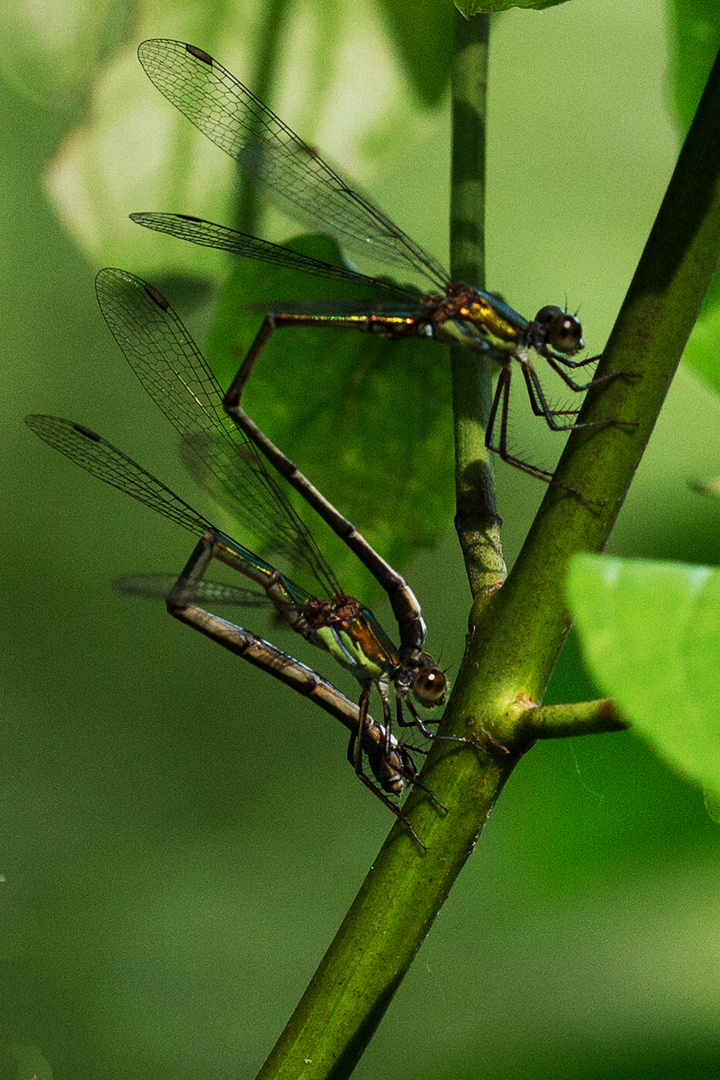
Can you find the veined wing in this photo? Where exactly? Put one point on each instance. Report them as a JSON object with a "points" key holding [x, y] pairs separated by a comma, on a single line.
{"points": [[290, 171], [208, 234], [411, 309], [175, 374], [100, 458], [157, 587]]}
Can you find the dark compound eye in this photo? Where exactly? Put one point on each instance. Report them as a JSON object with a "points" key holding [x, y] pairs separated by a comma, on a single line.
{"points": [[562, 331], [548, 314], [430, 686]]}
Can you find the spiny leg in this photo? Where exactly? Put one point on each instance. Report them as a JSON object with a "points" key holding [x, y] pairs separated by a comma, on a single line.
{"points": [[429, 735], [538, 403], [548, 353], [501, 401], [417, 720], [499, 389], [555, 360], [355, 757], [421, 724], [363, 706], [533, 385], [387, 750]]}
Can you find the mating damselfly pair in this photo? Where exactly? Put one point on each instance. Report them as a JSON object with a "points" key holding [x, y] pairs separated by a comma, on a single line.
{"points": [[227, 445], [172, 369]]}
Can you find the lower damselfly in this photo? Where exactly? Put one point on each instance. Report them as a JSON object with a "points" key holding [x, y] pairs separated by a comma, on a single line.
{"points": [[296, 179], [175, 374], [330, 625]]}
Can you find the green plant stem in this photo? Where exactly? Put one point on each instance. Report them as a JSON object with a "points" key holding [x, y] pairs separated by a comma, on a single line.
{"points": [[512, 653], [476, 519], [526, 623], [563, 721]]}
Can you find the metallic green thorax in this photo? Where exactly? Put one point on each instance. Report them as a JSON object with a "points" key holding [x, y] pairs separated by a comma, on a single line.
{"points": [[474, 318], [342, 626]]}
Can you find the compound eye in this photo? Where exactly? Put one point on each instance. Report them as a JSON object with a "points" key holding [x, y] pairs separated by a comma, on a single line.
{"points": [[564, 333], [430, 687], [549, 314]]}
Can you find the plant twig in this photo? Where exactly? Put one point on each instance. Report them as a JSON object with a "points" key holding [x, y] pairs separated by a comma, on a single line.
{"points": [[580, 718], [476, 519]]}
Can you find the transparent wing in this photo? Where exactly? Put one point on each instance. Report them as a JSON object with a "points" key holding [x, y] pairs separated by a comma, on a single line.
{"points": [[157, 587], [176, 376], [208, 234], [100, 458], [290, 171]]}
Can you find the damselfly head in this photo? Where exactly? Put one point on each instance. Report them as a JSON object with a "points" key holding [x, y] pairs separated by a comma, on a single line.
{"points": [[561, 331], [430, 684]]}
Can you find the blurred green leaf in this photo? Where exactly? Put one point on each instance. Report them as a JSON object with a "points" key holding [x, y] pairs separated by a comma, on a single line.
{"points": [[426, 56], [51, 52], [134, 151], [493, 7], [706, 487], [651, 638], [702, 349], [695, 40], [367, 420]]}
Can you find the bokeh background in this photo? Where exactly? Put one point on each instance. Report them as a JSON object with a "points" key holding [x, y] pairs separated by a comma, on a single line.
{"points": [[179, 837]]}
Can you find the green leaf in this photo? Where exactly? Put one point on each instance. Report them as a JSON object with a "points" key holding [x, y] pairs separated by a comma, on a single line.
{"points": [[367, 420], [135, 151], [426, 56], [651, 638], [493, 7], [695, 43], [52, 52], [702, 349]]}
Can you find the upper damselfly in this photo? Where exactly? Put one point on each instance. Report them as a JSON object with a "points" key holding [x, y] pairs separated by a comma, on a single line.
{"points": [[297, 179]]}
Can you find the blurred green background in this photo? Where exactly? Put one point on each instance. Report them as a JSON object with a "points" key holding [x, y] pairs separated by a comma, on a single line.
{"points": [[179, 837]]}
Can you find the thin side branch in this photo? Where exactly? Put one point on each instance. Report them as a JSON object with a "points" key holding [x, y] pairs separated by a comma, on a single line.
{"points": [[563, 721]]}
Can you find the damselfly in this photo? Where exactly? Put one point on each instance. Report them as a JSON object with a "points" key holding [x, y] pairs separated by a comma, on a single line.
{"points": [[301, 183], [329, 624], [172, 369]]}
